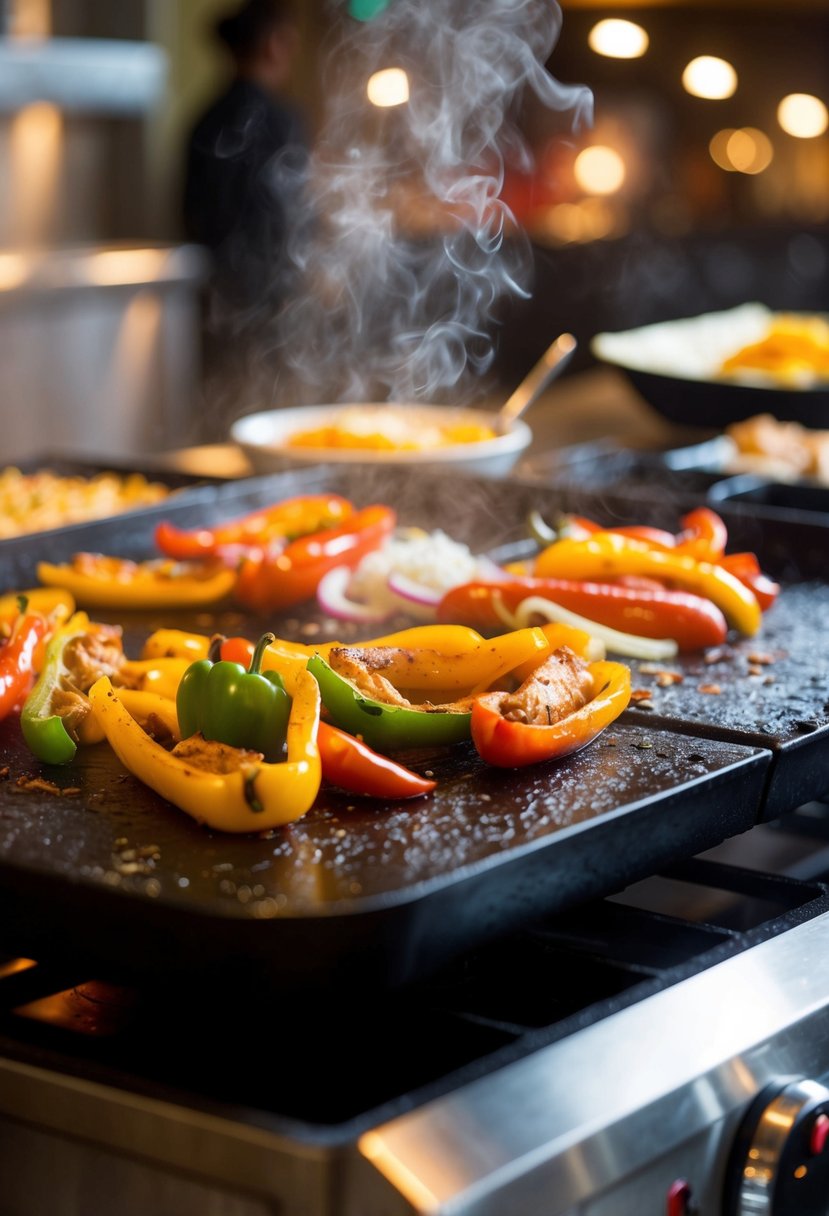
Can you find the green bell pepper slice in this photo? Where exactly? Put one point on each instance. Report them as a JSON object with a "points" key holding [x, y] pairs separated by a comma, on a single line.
{"points": [[382, 726], [49, 735], [242, 707]]}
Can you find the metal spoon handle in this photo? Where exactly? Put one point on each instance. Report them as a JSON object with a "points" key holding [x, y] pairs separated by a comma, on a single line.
{"points": [[551, 363]]}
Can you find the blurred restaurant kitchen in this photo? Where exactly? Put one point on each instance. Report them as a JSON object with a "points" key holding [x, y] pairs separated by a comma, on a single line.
{"points": [[684, 195]]}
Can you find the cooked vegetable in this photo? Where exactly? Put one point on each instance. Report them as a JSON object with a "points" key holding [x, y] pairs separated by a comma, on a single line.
{"points": [[605, 555], [650, 612], [559, 709], [243, 707], [385, 724], [228, 789], [17, 658], [349, 763], [267, 582], [98, 581], [283, 521]]}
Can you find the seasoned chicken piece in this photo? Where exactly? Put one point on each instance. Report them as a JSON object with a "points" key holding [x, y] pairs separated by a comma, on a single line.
{"points": [[215, 757], [93, 654], [363, 667], [557, 688]]}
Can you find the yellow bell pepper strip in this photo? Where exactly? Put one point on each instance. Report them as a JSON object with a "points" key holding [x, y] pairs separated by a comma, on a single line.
{"points": [[160, 676], [256, 796], [176, 644], [54, 603], [607, 555], [507, 742], [57, 715], [156, 715], [97, 581]]}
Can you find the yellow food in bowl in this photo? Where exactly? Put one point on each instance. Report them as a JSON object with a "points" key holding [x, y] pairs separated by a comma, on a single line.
{"points": [[794, 352], [397, 433]]}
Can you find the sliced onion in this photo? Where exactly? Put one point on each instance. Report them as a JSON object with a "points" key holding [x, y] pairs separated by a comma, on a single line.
{"points": [[627, 644], [334, 602], [413, 592]]}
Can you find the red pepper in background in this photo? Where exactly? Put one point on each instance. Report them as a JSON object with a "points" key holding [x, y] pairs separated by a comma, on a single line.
{"points": [[267, 582], [649, 612], [746, 568], [350, 764], [283, 521], [704, 535], [18, 660]]}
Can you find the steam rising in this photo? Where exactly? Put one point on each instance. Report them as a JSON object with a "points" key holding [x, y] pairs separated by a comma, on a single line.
{"points": [[377, 314]]}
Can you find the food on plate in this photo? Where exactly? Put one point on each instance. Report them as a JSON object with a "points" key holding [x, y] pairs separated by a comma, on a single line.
{"points": [[793, 352], [560, 708], [389, 430], [34, 502], [784, 451], [100, 581], [350, 764]]}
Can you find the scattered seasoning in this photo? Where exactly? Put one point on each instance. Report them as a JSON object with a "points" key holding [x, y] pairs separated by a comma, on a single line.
{"points": [[641, 694], [35, 785], [5, 773], [666, 678], [760, 658], [716, 655], [755, 671], [643, 745], [310, 630], [710, 690], [769, 680]]}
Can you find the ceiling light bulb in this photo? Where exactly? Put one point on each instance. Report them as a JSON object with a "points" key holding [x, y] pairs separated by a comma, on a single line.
{"points": [[388, 88], [802, 115], [618, 39], [709, 77], [599, 170]]}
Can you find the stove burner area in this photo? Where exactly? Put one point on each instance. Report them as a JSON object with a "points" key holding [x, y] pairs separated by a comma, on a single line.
{"points": [[332, 1070]]}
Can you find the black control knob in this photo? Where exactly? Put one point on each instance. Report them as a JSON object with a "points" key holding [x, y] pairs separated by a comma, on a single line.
{"points": [[779, 1165]]}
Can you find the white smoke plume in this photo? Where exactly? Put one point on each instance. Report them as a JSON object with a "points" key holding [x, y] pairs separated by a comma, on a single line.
{"points": [[377, 313]]}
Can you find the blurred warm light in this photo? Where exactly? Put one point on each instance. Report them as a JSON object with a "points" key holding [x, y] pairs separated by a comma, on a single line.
{"points": [[35, 154], [802, 115], [14, 271], [115, 267], [618, 39], [745, 150], [16, 965], [599, 170], [709, 77], [575, 223], [30, 18], [388, 88]]}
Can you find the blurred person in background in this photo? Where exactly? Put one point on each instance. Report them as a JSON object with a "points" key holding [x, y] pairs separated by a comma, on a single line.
{"points": [[245, 166]]}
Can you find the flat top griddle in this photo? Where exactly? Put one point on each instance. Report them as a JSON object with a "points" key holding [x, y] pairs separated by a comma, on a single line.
{"points": [[372, 892]]}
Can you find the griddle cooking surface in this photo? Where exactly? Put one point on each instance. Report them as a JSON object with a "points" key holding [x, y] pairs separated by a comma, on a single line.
{"points": [[383, 893]]}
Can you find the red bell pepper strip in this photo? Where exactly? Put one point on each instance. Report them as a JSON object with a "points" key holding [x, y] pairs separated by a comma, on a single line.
{"points": [[267, 582], [746, 568], [281, 522], [18, 660], [648, 612], [509, 744], [704, 535], [350, 764]]}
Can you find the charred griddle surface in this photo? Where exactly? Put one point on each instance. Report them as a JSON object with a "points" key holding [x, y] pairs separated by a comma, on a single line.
{"points": [[769, 691]]}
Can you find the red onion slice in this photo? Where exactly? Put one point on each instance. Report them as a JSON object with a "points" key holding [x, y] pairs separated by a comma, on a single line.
{"points": [[334, 602]]}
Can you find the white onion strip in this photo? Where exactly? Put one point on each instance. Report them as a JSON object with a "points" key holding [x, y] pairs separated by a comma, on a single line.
{"points": [[627, 644]]}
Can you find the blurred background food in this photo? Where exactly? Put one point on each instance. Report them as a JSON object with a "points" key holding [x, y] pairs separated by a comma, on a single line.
{"points": [[703, 183]]}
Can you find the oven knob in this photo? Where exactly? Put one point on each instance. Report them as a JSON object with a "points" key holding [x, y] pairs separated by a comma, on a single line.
{"points": [[779, 1165]]}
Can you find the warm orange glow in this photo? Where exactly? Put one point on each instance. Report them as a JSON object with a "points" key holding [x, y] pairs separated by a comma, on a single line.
{"points": [[599, 170], [35, 155], [374, 1148], [388, 88], [30, 18], [802, 115], [709, 77], [93, 1009], [618, 39], [16, 965], [117, 267], [14, 271], [745, 150], [574, 223]]}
